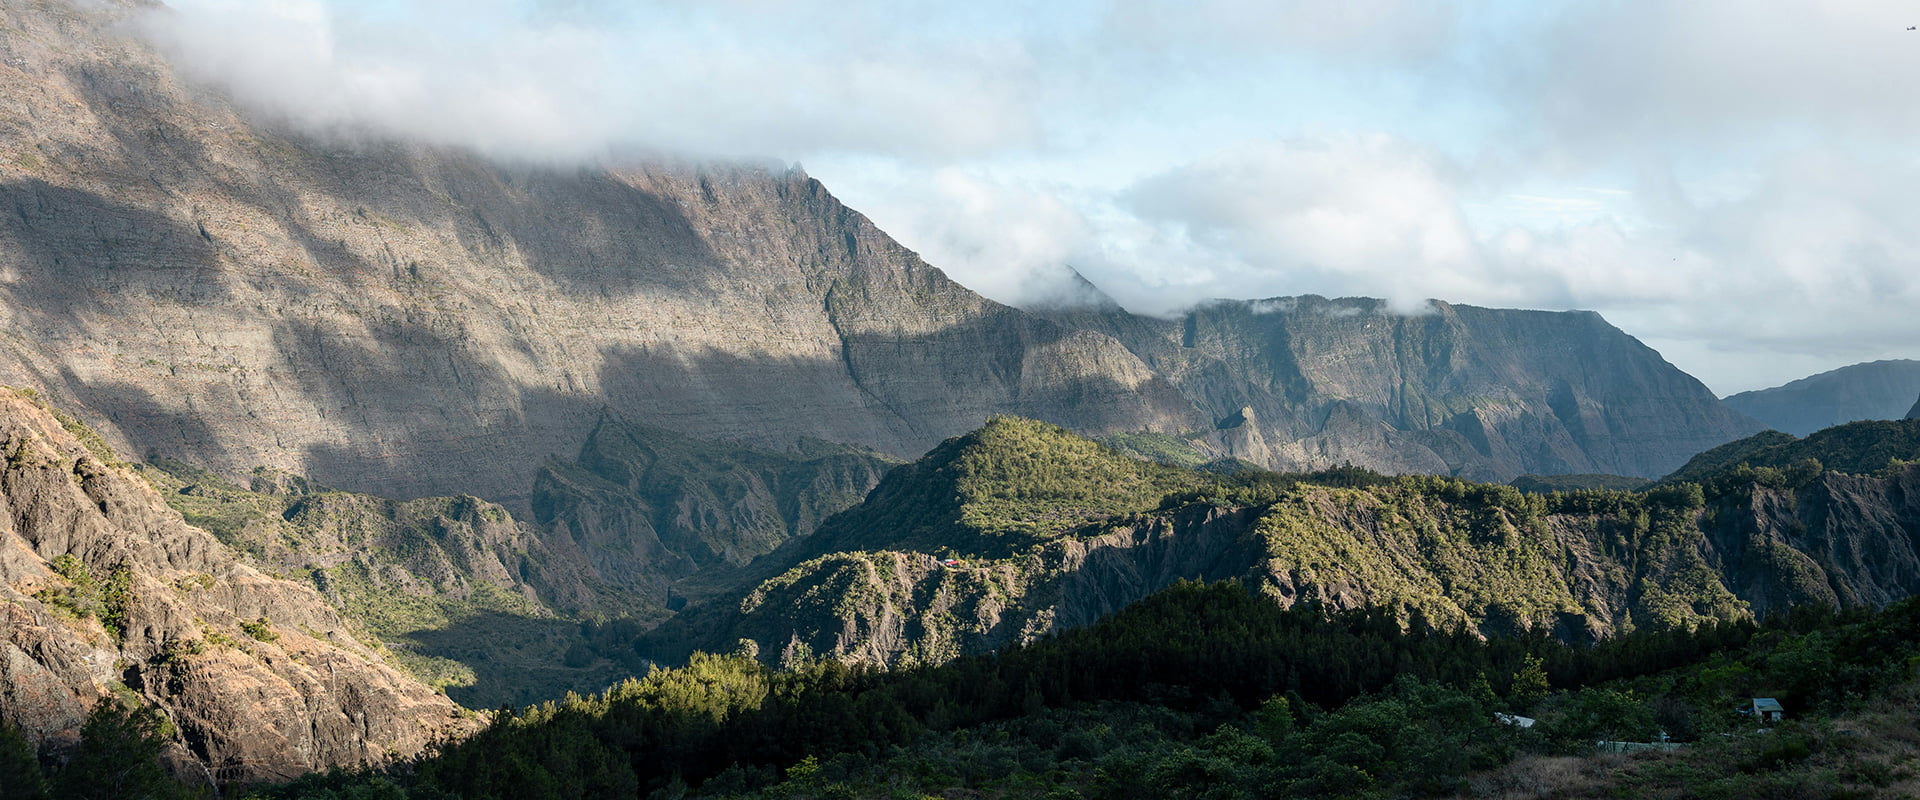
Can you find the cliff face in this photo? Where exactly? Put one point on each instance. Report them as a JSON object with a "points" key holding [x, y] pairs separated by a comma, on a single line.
{"points": [[652, 507], [412, 322], [874, 587], [1877, 390], [1306, 382], [1841, 540], [105, 590]]}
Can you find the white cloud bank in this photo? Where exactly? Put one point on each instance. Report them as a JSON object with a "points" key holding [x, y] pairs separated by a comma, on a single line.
{"points": [[575, 81]]}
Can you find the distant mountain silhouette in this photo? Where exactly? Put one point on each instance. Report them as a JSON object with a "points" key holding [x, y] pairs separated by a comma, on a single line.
{"points": [[1875, 390]]}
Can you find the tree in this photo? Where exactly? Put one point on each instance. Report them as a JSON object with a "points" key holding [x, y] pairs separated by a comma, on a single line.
{"points": [[118, 758], [19, 770]]}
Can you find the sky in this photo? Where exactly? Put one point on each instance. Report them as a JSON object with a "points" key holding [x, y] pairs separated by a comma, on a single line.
{"points": [[1734, 183]]}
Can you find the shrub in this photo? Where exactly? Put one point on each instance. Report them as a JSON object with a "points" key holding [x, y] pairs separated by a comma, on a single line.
{"points": [[260, 630]]}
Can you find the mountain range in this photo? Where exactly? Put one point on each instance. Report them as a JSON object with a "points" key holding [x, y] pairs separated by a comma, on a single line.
{"points": [[317, 441]]}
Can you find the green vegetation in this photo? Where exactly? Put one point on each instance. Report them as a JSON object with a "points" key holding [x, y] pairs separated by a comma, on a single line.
{"points": [[1013, 501], [411, 576], [260, 629], [1020, 477], [1213, 691], [86, 597], [1000, 490], [1543, 484], [118, 757], [1162, 447], [1858, 448]]}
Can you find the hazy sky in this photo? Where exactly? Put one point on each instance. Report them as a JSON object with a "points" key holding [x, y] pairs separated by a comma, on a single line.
{"points": [[1734, 182]]}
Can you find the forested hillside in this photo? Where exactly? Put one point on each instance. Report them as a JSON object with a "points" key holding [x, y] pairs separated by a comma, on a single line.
{"points": [[1210, 688]]}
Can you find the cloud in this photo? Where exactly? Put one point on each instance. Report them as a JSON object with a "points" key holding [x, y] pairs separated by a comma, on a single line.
{"points": [[1818, 257], [573, 80], [1355, 214], [1362, 29], [1723, 72]]}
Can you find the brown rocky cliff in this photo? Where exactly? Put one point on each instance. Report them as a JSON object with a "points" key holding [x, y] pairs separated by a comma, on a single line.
{"points": [[409, 322], [904, 608], [104, 589]]}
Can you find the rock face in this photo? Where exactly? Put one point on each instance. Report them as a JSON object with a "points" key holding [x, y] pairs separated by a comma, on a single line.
{"points": [[1876, 390], [1842, 540], [1914, 413], [105, 590], [869, 588], [1307, 382], [462, 595], [413, 322], [652, 506]]}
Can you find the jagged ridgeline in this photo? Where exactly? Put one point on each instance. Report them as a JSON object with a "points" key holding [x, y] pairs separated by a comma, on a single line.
{"points": [[1859, 447], [1876, 390], [1022, 528]]}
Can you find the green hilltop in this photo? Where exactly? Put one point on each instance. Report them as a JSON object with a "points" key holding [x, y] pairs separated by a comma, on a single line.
{"points": [[999, 490]]}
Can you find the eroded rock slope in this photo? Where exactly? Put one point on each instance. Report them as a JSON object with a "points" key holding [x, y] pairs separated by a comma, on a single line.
{"points": [[105, 590]]}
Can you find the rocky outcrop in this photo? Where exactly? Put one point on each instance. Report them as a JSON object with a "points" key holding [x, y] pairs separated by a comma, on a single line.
{"points": [[1842, 540], [908, 608], [1876, 390], [462, 595], [1914, 413], [107, 591]]}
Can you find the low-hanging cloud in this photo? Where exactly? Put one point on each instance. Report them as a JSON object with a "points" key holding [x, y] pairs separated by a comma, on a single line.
{"points": [[577, 81]]}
